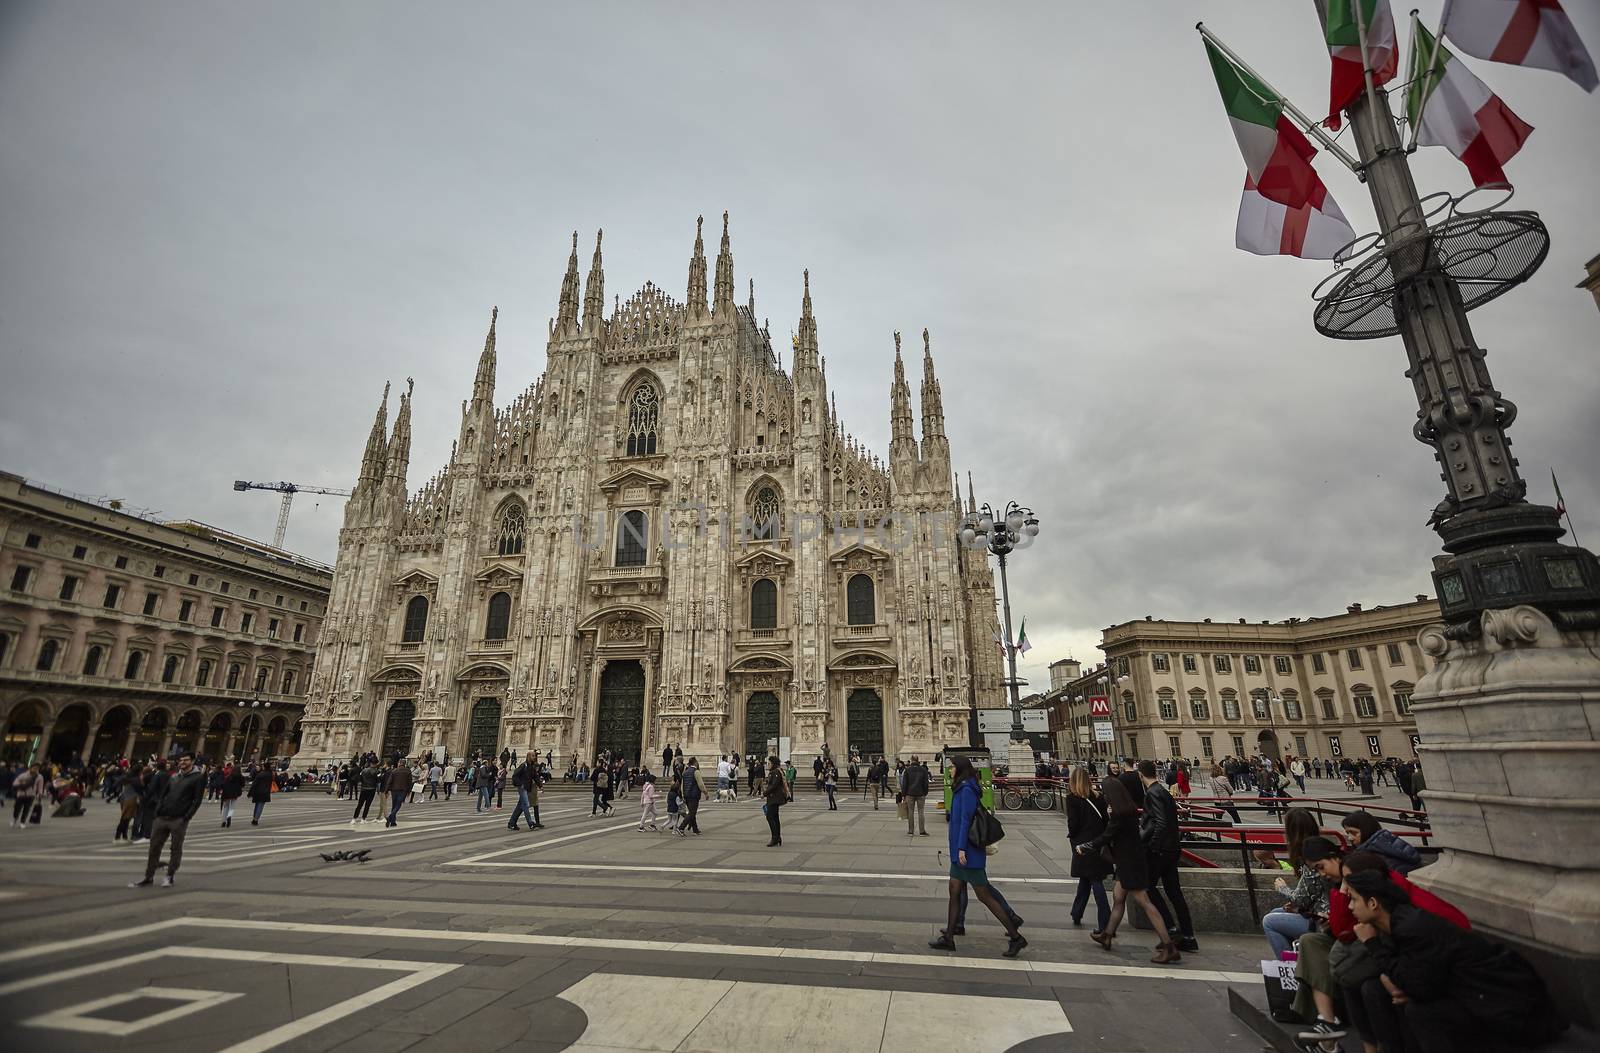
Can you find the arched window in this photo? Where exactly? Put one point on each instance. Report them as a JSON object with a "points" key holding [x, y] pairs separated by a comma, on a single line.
{"points": [[169, 671], [261, 678], [764, 604], [860, 600], [764, 513], [135, 663], [202, 676], [509, 535], [288, 681], [47, 656], [416, 620], [5, 646], [633, 532], [91, 661], [233, 675], [498, 625], [644, 414]]}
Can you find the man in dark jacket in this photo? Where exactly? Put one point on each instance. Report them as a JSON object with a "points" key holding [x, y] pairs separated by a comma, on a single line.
{"points": [[1159, 832], [916, 792], [525, 778], [180, 796], [399, 787], [777, 797]]}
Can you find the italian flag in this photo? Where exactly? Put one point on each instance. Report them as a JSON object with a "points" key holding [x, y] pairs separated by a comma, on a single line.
{"points": [[1285, 209], [1461, 114], [1023, 646], [1520, 32], [1316, 230], [1343, 29]]}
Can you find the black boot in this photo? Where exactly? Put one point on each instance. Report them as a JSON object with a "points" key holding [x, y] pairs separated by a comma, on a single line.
{"points": [[943, 943]]}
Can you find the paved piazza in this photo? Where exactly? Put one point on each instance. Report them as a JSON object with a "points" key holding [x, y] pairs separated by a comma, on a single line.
{"points": [[586, 935]]}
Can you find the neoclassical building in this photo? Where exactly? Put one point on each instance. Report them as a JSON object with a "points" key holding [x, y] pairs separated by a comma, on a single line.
{"points": [[665, 538], [121, 636], [1331, 687]]}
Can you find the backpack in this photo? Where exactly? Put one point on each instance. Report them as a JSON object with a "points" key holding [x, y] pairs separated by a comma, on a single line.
{"points": [[984, 830], [603, 779]]}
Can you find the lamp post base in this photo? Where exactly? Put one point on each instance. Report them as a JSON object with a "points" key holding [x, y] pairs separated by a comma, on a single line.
{"points": [[1019, 758], [1511, 755]]}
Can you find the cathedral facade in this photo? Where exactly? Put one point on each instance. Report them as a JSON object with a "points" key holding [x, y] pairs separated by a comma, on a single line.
{"points": [[665, 539]]}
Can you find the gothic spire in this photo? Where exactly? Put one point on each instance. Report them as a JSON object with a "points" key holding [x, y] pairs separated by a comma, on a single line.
{"points": [[567, 313], [724, 290], [372, 459], [902, 428], [483, 383], [399, 457], [697, 273], [752, 301], [805, 347], [932, 401], [594, 291]]}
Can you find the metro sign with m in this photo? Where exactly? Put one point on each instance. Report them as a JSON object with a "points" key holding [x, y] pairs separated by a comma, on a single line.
{"points": [[1099, 706]]}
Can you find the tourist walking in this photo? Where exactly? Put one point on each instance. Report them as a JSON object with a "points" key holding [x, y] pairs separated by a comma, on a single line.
{"points": [[29, 788], [830, 784], [694, 788], [260, 792], [399, 787], [229, 790], [916, 797], [647, 800], [968, 865], [1086, 820], [600, 784], [1121, 835], [178, 796], [367, 783], [525, 779], [777, 797], [1161, 836], [129, 791]]}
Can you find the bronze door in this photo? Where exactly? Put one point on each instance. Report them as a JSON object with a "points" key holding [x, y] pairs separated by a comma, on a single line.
{"points": [[619, 723], [483, 734], [760, 722], [397, 729], [864, 722]]}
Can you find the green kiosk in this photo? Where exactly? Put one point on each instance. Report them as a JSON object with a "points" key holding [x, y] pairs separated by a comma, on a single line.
{"points": [[981, 760]]}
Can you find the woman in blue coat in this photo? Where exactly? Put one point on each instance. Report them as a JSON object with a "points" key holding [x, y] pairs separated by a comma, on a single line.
{"points": [[967, 863]]}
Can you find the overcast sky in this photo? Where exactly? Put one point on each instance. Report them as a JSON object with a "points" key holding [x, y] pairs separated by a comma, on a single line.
{"points": [[224, 226]]}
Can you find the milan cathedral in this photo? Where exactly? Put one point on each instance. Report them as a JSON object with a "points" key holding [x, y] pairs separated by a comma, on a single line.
{"points": [[665, 539]]}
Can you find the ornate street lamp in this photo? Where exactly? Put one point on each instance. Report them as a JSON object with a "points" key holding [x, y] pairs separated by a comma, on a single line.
{"points": [[1003, 534]]}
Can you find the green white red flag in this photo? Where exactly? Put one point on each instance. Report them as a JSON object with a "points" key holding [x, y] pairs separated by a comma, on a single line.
{"points": [[1460, 113], [1348, 22], [1285, 209], [1534, 33]]}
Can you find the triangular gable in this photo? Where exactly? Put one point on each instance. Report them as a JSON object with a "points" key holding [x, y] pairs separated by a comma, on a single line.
{"points": [[633, 476]]}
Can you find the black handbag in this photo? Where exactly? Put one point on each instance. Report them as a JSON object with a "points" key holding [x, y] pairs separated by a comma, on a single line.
{"points": [[985, 829]]}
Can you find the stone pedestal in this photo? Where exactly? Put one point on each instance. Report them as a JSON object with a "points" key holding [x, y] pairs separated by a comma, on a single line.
{"points": [[1510, 729], [1019, 758]]}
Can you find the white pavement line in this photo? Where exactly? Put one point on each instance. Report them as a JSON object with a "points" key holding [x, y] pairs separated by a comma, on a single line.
{"points": [[535, 940], [419, 973], [745, 871], [46, 949], [474, 860]]}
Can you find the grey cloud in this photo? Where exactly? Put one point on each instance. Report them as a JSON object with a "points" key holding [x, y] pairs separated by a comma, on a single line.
{"points": [[225, 227]]}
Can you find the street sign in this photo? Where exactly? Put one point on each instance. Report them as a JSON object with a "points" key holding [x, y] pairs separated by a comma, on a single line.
{"points": [[1099, 706], [1102, 731], [998, 720]]}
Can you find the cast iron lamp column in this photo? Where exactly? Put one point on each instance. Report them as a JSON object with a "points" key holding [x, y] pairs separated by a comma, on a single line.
{"points": [[1015, 529]]}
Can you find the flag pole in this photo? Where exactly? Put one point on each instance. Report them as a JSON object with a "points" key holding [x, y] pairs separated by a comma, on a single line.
{"points": [[1311, 127], [1561, 505], [1375, 104], [1428, 79]]}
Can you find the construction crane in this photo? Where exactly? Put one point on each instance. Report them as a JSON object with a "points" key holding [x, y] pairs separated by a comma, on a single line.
{"points": [[288, 490]]}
